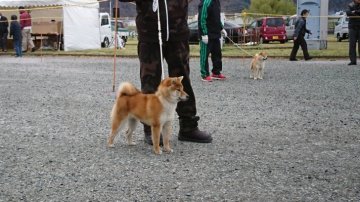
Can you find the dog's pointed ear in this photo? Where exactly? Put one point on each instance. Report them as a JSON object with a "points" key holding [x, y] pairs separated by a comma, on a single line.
{"points": [[181, 78]]}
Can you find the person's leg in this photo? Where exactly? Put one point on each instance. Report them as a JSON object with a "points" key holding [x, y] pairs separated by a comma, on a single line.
{"points": [[177, 57], [216, 56], [294, 49], [24, 40], [5, 41], [352, 46], [2, 44], [150, 74], [29, 40], [204, 63], [304, 48], [16, 47], [358, 41]]}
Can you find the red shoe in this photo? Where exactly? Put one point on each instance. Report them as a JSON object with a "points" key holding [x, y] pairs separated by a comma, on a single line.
{"points": [[218, 76], [206, 78]]}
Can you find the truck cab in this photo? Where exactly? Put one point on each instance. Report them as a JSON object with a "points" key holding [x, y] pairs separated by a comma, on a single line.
{"points": [[105, 29], [341, 30]]}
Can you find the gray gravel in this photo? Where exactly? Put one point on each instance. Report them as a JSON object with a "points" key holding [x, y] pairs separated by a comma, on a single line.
{"points": [[293, 136]]}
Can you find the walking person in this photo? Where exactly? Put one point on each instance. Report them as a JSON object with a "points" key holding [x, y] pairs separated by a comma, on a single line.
{"points": [[4, 24], [299, 37], [210, 30], [25, 23], [175, 35], [15, 32], [353, 13]]}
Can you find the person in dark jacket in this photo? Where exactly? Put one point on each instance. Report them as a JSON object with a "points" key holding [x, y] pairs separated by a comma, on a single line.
{"points": [[299, 37], [210, 30], [175, 37], [15, 32], [4, 24], [353, 13]]}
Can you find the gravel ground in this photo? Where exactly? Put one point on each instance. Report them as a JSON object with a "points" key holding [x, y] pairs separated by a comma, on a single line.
{"points": [[293, 136]]}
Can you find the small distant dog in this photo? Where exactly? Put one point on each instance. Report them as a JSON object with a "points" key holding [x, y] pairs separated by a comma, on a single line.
{"points": [[156, 110], [258, 65]]}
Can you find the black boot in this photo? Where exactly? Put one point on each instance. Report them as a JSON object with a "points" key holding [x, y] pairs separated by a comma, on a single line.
{"points": [[190, 132], [147, 132]]}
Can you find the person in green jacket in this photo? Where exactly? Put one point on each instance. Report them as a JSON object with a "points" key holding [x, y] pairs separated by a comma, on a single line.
{"points": [[210, 30]]}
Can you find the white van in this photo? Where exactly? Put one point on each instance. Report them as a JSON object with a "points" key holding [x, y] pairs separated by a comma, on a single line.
{"points": [[105, 29], [341, 30]]}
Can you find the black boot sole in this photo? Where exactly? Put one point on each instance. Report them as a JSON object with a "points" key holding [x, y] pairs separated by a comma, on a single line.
{"points": [[194, 140]]}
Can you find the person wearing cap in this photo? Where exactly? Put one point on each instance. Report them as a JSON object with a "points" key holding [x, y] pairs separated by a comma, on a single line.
{"points": [[299, 37], [353, 13]]}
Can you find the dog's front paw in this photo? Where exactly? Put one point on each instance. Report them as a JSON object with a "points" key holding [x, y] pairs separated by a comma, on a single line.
{"points": [[168, 150], [110, 145], [158, 152], [255, 78], [261, 78], [132, 143]]}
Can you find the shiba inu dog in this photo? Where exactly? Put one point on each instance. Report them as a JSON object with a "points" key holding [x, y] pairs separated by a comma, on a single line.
{"points": [[156, 110], [258, 65]]}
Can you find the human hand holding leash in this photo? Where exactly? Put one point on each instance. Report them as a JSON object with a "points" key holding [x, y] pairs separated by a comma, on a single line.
{"points": [[224, 33], [205, 39]]}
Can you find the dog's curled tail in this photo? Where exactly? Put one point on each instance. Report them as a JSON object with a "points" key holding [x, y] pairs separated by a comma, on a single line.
{"points": [[127, 89]]}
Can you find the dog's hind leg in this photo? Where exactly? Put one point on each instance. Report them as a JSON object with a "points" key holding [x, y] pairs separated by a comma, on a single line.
{"points": [[167, 129], [155, 136], [129, 133], [117, 123]]}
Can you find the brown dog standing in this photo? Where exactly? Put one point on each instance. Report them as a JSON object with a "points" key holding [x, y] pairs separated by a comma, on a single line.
{"points": [[258, 65], [156, 110]]}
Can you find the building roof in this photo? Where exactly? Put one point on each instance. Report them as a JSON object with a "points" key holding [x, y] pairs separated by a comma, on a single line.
{"points": [[39, 3]]}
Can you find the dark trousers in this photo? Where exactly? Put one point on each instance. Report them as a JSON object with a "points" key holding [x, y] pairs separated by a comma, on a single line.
{"points": [[18, 47], [213, 47], [300, 41], [354, 36], [3, 41], [176, 55]]}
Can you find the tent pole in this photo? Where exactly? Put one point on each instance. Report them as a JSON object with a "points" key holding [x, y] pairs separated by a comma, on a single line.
{"points": [[116, 41]]}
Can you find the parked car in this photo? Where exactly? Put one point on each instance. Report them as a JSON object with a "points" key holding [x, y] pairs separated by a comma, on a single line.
{"points": [[290, 27], [341, 30], [233, 31], [270, 29]]}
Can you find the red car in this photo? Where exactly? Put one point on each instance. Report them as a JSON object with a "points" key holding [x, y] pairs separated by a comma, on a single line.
{"points": [[270, 29]]}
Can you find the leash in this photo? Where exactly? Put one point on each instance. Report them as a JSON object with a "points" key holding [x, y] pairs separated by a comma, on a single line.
{"points": [[156, 8], [236, 45]]}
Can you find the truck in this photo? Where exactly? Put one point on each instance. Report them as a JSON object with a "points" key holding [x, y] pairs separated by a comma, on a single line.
{"points": [[122, 32], [341, 30], [105, 29]]}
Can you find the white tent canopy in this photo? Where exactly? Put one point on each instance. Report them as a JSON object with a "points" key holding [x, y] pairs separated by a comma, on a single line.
{"points": [[80, 20]]}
